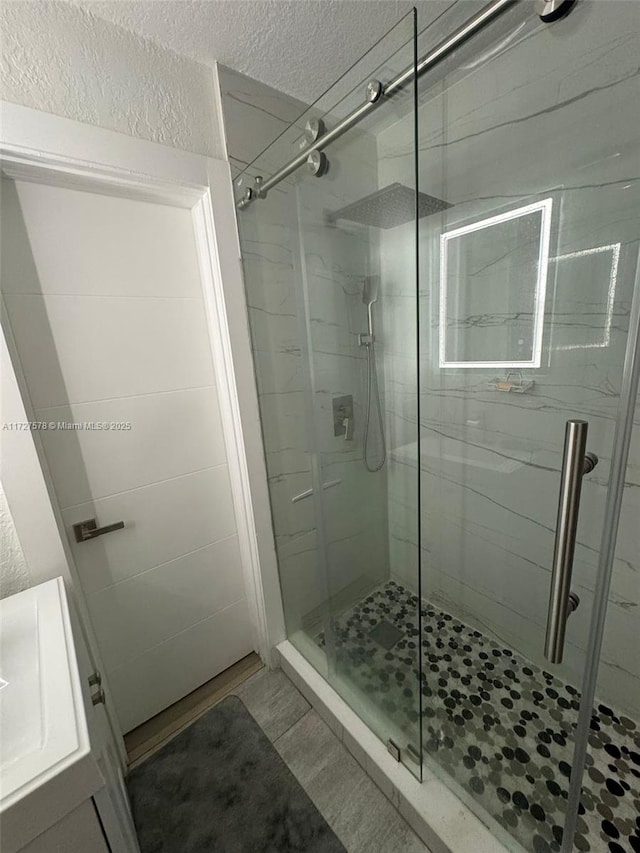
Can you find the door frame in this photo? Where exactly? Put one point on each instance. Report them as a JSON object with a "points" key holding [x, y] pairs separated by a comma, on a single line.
{"points": [[44, 148]]}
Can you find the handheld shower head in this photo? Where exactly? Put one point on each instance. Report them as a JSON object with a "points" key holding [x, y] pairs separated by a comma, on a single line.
{"points": [[370, 289], [369, 296]]}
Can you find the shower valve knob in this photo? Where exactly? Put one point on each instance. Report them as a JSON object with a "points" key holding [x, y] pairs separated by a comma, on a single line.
{"points": [[347, 423]]}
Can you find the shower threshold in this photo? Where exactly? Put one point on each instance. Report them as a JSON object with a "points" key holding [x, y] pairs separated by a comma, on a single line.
{"points": [[496, 726], [431, 808]]}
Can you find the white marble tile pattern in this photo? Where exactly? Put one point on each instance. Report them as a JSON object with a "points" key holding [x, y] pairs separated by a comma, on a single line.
{"points": [[490, 464], [289, 249], [487, 536]]}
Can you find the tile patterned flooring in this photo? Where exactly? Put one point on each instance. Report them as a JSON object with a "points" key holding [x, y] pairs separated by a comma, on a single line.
{"points": [[357, 811], [499, 725]]}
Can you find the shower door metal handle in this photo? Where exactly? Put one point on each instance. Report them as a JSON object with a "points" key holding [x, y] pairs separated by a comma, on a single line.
{"points": [[576, 463]]}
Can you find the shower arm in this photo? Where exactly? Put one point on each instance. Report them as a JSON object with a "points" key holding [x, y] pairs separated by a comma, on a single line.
{"points": [[376, 93]]}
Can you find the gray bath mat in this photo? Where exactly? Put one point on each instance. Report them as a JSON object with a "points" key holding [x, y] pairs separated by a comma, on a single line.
{"points": [[221, 787]]}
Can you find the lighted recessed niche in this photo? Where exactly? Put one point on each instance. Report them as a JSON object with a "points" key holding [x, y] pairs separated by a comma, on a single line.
{"points": [[580, 318], [493, 280]]}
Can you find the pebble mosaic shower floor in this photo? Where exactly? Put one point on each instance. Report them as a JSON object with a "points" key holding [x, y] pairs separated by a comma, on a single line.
{"points": [[499, 725]]}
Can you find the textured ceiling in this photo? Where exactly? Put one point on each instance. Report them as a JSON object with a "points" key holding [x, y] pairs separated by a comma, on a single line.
{"points": [[297, 46]]}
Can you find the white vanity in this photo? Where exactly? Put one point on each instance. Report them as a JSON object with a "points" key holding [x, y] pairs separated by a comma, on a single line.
{"points": [[61, 785]]}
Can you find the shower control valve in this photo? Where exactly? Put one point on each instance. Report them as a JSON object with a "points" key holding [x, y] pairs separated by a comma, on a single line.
{"points": [[343, 422], [365, 339]]}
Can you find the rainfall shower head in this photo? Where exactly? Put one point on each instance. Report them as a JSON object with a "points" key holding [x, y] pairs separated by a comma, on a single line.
{"points": [[391, 206], [370, 289]]}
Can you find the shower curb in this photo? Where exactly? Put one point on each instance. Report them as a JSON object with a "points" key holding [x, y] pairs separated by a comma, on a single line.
{"points": [[443, 822]]}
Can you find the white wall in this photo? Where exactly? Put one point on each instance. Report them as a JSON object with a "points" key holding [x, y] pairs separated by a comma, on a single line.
{"points": [[38, 558], [61, 59], [14, 572], [254, 115]]}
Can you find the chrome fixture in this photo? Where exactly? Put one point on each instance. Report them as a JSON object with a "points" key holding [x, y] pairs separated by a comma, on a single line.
{"points": [[317, 164], [369, 296], [85, 530], [459, 36], [590, 462], [95, 679], [246, 199], [313, 129], [393, 749], [373, 90], [562, 602], [393, 205], [553, 10], [257, 186], [343, 416]]}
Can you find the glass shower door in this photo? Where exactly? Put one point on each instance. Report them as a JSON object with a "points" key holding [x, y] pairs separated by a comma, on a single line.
{"points": [[526, 218], [367, 626], [526, 285], [337, 400]]}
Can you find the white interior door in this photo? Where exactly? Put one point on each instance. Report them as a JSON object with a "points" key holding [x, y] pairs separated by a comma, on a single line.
{"points": [[104, 299]]}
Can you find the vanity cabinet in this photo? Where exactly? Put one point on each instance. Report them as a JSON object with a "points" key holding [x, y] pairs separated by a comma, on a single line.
{"points": [[61, 783]]}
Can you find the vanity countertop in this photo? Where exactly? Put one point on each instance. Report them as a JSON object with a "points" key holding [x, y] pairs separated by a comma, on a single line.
{"points": [[46, 766]]}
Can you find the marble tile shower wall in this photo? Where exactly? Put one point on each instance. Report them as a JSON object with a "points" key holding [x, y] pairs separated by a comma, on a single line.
{"points": [[335, 261], [254, 116], [488, 524], [288, 251]]}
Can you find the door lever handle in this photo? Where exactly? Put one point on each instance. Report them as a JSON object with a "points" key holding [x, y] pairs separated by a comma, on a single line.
{"points": [[562, 602], [85, 530]]}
